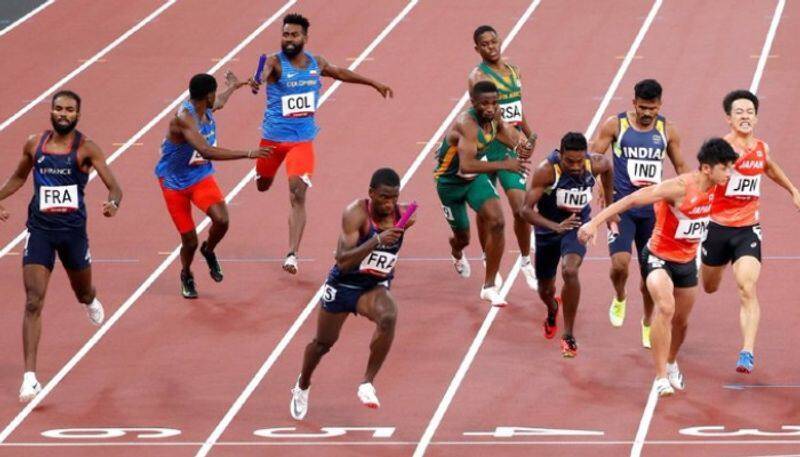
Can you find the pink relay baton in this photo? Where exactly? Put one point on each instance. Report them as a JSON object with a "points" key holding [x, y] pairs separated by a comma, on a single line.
{"points": [[262, 60], [407, 215]]}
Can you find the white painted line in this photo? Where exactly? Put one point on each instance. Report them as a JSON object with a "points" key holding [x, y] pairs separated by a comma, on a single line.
{"points": [[644, 423], [24, 18], [152, 278], [287, 337], [762, 61], [512, 275]]}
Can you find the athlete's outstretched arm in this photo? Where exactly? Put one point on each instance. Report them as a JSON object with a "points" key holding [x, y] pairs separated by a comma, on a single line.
{"points": [[185, 125], [349, 253], [271, 72], [606, 136], [602, 168], [515, 139], [233, 84], [674, 150], [20, 175], [544, 177], [775, 173], [98, 161], [468, 161], [348, 76]]}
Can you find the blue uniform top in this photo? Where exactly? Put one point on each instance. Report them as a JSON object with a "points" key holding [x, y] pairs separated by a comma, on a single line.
{"points": [[567, 195], [291, 103], [638, 158], [58, 184], [376, 267], [181, 165]]}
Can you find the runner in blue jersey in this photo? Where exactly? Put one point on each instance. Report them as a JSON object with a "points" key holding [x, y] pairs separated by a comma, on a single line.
{"points": [[640, 139], [289, 126], [61, 160], [359, 283], [561, 190], [186, 174]]}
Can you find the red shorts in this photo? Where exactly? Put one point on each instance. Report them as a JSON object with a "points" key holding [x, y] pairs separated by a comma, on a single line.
{"points": [[203, 194], [299, 159]]}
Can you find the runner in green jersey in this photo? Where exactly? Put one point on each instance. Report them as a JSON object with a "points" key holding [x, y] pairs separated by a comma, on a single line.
{"points": [[461, 179], [506, 77]]}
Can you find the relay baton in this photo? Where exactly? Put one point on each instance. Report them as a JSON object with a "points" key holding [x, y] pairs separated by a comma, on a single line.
{"points": [[262, 60], [407, 215]]}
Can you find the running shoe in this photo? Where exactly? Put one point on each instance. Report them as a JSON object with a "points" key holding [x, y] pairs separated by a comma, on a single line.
{"points": [[569, 347], [663, 387], [95, 312], [29, 389], [298, 407], [616, 312], [493, 295], [290, 264], [367, 395], [675, 377], [745, 362], [529, 273], [188, 289], [645, 335], [550, 325], [462, 266], [214, 268]]}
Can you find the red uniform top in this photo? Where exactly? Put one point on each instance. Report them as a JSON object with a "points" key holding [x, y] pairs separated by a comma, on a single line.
{"points": [[736, 203], [678, 230]]}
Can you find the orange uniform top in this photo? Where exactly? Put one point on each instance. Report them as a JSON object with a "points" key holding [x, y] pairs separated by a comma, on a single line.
{"points": [[736, 203], [678, 230]]}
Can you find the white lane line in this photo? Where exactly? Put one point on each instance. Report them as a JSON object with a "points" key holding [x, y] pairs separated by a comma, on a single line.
{"points": [[762, 60], [24, 18], [151, 279], [511, 277]]}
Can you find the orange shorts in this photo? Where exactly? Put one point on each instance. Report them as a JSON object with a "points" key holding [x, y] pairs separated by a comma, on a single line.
{"points": [[203, 194], [299, 159]]}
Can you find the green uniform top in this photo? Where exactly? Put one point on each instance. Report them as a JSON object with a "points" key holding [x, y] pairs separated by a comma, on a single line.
{"points": [[509, 90], [448, 168]]}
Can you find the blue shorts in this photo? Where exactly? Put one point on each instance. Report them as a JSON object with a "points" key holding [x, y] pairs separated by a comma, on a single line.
{"points": [[633, 227], [551, 247], [72, 247], [343, 298]]}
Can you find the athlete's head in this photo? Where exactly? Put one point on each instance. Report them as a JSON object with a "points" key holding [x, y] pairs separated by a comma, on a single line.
{"points": [[716, 157], [384, 188], [65, 110], [741, 109], [572, 153], [487, 43], [203, 87], [295, 34], [646, 101], [484, 100]]}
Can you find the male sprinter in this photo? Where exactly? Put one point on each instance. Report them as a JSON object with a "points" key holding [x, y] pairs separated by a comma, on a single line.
{"points": [[640, 138], [61, 160], [359, 283], [734, 234], [289, 127]]}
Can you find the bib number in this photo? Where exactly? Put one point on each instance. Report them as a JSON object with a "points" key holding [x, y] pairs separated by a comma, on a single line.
{"points": [[740, 185], [691, 229], [328, 294], [512, 112], [58, 199], [573, 200], [378, 263], [298, 105], [644, 172]]}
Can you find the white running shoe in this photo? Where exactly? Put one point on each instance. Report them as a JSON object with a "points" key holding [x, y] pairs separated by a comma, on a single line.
{"points": [[29, 389], [290, 264], [663, 387], [493, 295], [298, 407], [367, 395], [675, 377], [530, 274], [462, 266], [95, 312]]}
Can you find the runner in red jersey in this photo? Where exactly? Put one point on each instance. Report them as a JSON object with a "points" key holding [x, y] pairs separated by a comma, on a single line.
{"points": [[682, 207], [734, 234]]}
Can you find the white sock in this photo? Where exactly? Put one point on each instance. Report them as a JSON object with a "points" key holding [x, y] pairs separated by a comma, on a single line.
{"points": [[525, 260], [672, 367], [29, 377], [95, 303]]}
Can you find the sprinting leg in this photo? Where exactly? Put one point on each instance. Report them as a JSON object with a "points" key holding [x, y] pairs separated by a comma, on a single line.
{"points": [[81, 282], [492, 214], [36, 278], [378, 306], [661, 289], [329, 325], [297, 220], [218, 213], [571, 291]]}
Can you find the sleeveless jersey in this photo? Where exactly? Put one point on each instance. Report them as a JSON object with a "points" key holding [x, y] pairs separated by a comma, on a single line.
{"points": [[448, 169], [58, 184], [567, 195], [736, 203], [292, 102], [678, 231], [638, 157], [376, 267], [181, 165], [510, 93]]}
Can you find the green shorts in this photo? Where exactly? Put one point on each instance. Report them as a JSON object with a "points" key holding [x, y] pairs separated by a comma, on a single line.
{"points": [[454, 195], [497, 151]]}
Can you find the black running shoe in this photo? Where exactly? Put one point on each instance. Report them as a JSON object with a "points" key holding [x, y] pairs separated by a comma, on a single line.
{"points": [[214, 269], [187, 286], [569, 347]]}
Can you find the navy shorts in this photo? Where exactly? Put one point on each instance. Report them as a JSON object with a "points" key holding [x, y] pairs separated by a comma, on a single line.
{"points": [[343, 298], [682, 274], [551, 247], [633, 227], [72, 247], [723, 245]]}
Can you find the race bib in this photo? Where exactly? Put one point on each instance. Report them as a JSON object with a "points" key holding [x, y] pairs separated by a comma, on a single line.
{"points": [[573, 200], [378, 263], [298, 105], [512, 112], [58, 199], [644, 172], [691, 229], [740, 185]]}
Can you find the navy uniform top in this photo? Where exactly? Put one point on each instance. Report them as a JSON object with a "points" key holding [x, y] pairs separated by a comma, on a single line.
{"points": [[567, 195], [58, 184], [638, 158]]}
